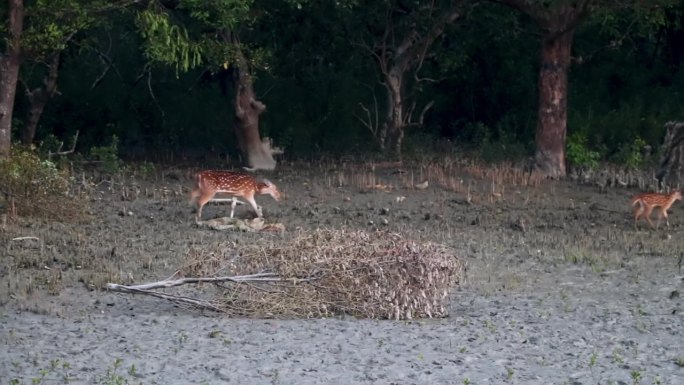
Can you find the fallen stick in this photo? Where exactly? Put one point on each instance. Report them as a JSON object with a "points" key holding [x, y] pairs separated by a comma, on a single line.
{"points": [[170, 297], [146, 288], [261, 277], [26, 238]]}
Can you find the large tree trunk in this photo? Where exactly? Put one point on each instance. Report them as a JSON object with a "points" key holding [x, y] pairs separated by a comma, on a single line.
{"points": [[258, 153], [553, 100], [39, 97], [558, 20], [10, 62], [671, 169]]}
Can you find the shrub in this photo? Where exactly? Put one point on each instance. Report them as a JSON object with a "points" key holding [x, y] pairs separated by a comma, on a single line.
{"points": [[631, 154], [107, 157], [34, 185], [579, 154]]}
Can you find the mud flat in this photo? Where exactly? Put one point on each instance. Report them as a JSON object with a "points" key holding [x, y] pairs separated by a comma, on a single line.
{"points": [[560, 290]]}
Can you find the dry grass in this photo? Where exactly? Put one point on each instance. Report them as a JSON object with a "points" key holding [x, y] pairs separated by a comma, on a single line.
{"points": [[331, 272], [32, 187], [464, 176]]}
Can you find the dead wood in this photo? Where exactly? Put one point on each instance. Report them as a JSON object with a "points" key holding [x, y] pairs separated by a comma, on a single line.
{"points": [[671, 170], [321, 273]]}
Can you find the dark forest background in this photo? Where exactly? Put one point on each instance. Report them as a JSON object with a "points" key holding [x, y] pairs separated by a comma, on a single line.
{"points": [[313, 71]]}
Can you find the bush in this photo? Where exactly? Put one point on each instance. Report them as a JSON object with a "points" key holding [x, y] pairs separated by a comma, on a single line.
{"points": [[34, 185], [107, 157], [578, 153], [631, 154]]}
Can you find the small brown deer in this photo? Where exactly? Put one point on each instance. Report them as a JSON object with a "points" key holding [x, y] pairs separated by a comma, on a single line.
{"points": [[646, 202], [237, 184]]}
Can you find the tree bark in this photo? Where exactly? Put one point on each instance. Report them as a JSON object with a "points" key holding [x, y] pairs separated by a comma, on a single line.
{"points": [[396, 62], [558, 21], [258, 153], [553, 100], [671, 169], [39, 97], [392, 133], [10, 63]]}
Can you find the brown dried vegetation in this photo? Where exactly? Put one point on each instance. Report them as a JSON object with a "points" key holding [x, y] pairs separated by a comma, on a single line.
{"points": [[31, 187], [331, 272]]}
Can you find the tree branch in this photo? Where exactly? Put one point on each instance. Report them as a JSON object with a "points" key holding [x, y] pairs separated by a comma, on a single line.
{"points": [[167, 283], [66, 152]]}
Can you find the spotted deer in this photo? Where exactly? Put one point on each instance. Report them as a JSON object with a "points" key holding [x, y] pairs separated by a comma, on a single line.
{"points": [[237, 184], [645, 203]]}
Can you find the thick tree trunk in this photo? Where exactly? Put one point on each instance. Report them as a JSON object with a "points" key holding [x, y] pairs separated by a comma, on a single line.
{"points": [[671, 169], [258, 153], [553, 100], [38, 98], [10, 62], [558, 19]]}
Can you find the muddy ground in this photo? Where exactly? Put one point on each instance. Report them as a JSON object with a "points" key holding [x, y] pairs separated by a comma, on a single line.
{"points": [[560, 287]]}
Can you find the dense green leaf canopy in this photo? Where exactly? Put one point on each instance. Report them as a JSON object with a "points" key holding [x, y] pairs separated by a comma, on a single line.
{"points": [[155, 73]]}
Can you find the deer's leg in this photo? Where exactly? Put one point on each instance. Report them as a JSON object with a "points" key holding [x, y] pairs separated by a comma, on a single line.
{"points": [[203, 199], [663, 213], [648, 216], [194, 195], [233, 203], [637, 214], [252, 202]]}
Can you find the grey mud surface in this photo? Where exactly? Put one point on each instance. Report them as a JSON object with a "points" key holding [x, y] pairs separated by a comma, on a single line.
{"points": [[560, 289]]}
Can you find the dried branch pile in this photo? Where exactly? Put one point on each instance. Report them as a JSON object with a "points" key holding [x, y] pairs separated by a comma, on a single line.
{"points": [[327, 272]]}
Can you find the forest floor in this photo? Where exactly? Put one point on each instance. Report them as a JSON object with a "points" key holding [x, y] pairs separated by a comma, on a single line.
{"points": [[560, 287]]}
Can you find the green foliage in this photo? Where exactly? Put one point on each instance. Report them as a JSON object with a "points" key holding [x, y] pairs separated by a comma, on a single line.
{"points": [[36, 187], [107, 157], [112, 377], [49, 144], [25, 175], [631, 154], [145, 170], [633, 18], [578, 153], [218, 14], [167, 43], [202, 32], [313, 69], [218, 55], [50, 24]]}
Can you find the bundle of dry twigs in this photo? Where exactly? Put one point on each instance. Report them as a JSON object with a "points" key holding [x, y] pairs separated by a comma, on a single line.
{"points": [[330, 272]]}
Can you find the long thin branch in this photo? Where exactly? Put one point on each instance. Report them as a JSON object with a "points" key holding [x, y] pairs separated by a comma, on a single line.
{"points": [[154, 98], [170, 297], [368, 120], [61, 144], [261, 277], [421, 119], [109, 65], [248, 279]]}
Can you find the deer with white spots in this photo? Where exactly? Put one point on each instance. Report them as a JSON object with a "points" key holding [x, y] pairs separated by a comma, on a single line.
{"points": [[237, 184]]}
